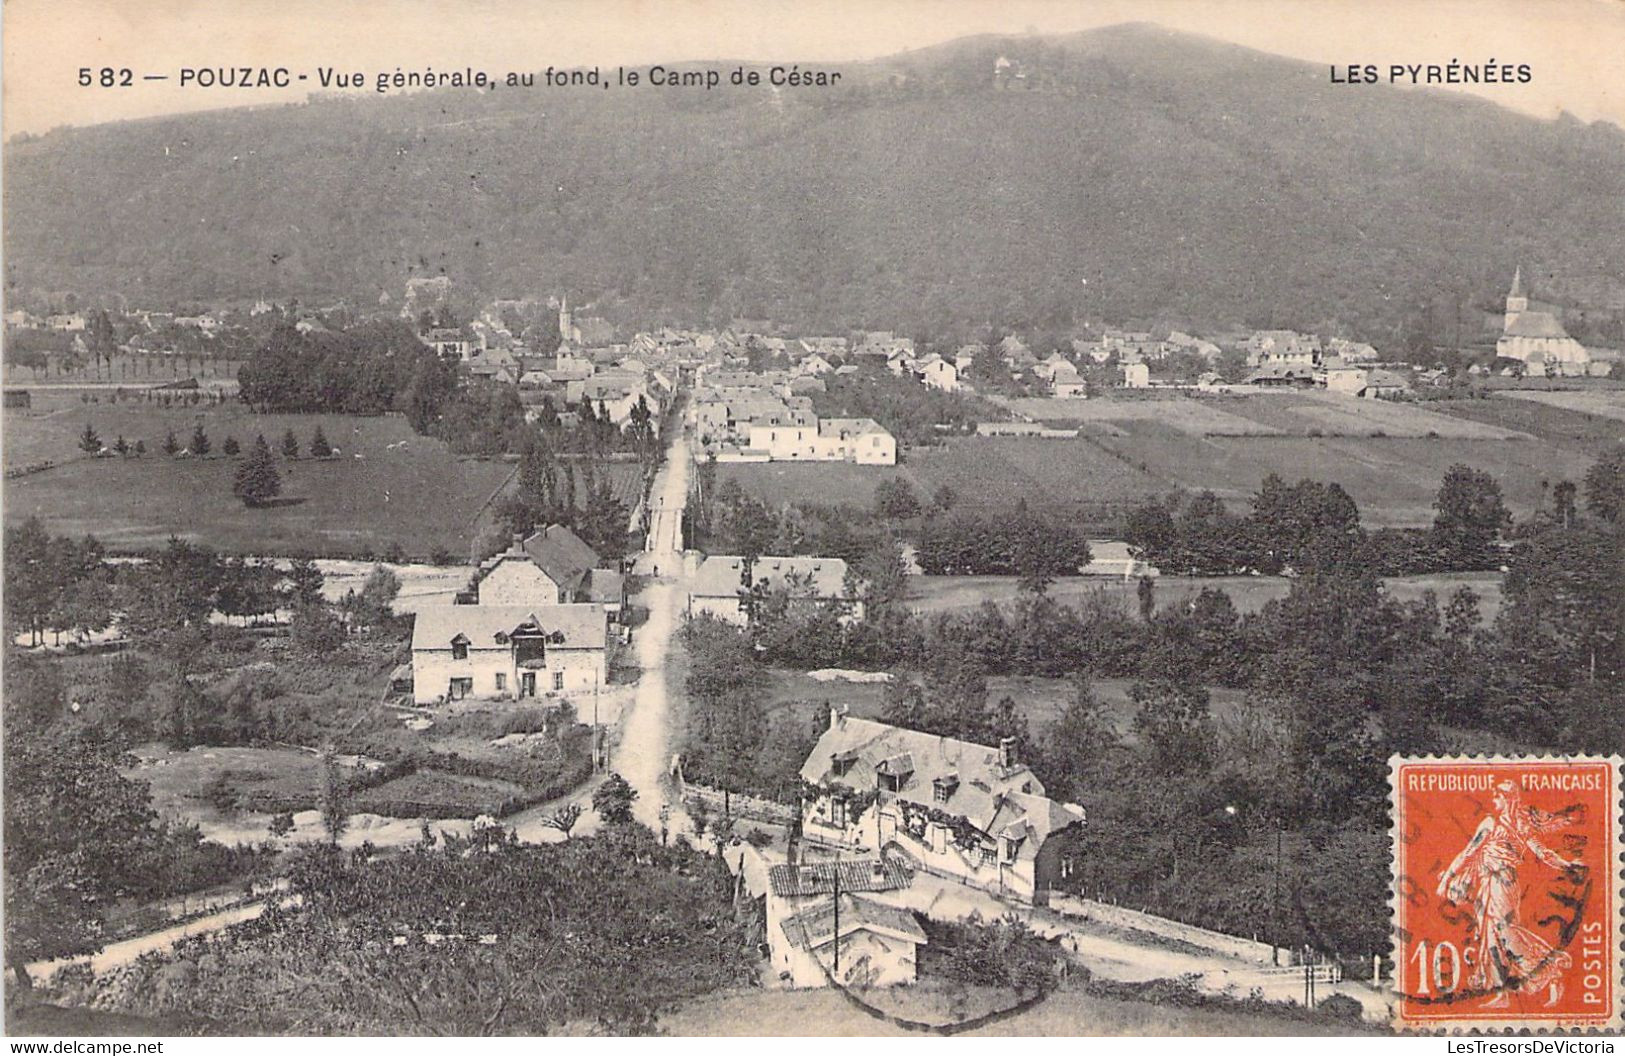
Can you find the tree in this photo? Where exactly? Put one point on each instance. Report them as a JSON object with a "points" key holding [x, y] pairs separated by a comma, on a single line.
{"points": [[304, 581], [335, 813], [944, 498], [372, 606], [77, 837], [290, 445], [121, 445], [1146, 591], [1470, 516], [895, 500], [89, 442], [564, 819], [257, 481], [613, 800], [1605, 485], [200, 441], [140, 448], [281, 824], [172, 446], [319, 447], [231, 447]]}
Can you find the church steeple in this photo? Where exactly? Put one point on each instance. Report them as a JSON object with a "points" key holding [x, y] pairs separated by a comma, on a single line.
{"points": [[1517, 303]]}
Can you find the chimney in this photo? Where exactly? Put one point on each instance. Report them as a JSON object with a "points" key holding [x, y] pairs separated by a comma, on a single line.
{"points": [[1007, 753], [837, 716]]}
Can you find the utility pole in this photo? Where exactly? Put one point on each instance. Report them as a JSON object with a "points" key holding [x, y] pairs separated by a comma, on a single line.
{"points": [[837, 916], [1275, 899]]}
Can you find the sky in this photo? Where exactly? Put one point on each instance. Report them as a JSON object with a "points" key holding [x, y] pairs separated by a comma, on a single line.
{"points": [[1573, 46]]}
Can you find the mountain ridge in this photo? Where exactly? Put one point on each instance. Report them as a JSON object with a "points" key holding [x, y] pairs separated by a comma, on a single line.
{"points": [[1133, 172]]}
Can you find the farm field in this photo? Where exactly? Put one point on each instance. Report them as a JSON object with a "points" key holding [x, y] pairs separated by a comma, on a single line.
{"points": [[1333, 414], [1199, 417], [403, 489], [1393, 480], [1308, 413], [1563, 427], [1096, 478], [929, 595], [1604, 404], [985, 474]]}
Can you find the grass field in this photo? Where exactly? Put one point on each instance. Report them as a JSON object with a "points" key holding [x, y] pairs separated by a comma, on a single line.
{"points": [[1393, 479], [1199, 417], [1297, 413], [986, 474], [933, 594], [177, 780], [402, 489], [1603, 404], [1570, 429]]}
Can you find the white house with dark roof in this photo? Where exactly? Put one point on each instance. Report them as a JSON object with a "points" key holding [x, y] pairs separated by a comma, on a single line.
{"points": [[964, 811], [506, 652], [551, 567], [720, 587], [879, 943]]}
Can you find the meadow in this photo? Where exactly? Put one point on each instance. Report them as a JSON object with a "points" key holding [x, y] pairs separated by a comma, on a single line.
{"points": [[1564, 427], [389, 488], [1095, 479], [1607, 404], [929, 595]]}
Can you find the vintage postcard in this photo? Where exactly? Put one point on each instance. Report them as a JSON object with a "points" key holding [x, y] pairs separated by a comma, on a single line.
{"points": [[812, 517], [1506, 892]]}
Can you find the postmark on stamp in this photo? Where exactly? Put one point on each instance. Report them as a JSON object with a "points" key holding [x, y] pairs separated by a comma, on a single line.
{"points": [[1506, 892]]}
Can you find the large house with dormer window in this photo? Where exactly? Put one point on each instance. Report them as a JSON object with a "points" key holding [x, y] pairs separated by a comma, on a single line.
{"points": [[507, 652], [964, 811]]}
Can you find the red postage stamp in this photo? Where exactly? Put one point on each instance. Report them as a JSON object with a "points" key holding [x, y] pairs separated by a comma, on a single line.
{"points": [[1506, 893]]}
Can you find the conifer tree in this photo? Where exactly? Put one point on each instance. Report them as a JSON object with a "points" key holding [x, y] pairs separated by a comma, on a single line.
{"points": [[257, 480]]}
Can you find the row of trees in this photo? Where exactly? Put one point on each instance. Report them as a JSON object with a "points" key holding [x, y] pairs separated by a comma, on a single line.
{"points": [[580, 493], [1311, 525], [200, 446]]}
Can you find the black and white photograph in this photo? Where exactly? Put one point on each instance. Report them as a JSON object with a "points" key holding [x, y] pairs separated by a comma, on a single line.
{"points": [[918, 518]]}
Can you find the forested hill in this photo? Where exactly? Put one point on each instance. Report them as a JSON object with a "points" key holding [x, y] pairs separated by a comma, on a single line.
{"points": [[1183, 178]]}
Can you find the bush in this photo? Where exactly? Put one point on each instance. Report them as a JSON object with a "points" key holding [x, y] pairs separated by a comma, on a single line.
{"points": [[1342, 1007]]}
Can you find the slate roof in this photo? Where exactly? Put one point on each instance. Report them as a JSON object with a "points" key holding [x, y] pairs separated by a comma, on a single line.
{"points": [[818, 878], [997, 800], [582, 626], [560, 553], [815, 925], [1536, 324], [720, 575]]}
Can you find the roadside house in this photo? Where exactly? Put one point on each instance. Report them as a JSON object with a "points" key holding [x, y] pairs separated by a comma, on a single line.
{"points": [[964, 811], [506, 652]]}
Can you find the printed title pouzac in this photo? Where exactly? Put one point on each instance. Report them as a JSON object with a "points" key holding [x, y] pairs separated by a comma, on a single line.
{"points": [[402, 79]]}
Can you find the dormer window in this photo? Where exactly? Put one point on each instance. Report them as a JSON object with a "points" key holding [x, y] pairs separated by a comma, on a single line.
{"points": [[942, 788], [459, 648]]}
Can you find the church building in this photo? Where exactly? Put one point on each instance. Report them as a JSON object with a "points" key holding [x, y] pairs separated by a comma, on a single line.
{"points": [[1537, 339]]}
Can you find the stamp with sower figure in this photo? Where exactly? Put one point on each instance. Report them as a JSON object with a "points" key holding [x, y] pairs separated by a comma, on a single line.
{"points": [[1507, 910]]}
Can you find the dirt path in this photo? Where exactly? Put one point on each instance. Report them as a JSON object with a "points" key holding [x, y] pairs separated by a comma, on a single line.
{"points": [[643, 753]]}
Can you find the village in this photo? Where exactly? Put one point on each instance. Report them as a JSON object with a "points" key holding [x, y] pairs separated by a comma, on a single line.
{"points": [[859, 852]]}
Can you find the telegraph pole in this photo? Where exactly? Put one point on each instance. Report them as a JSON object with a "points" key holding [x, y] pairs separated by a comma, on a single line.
{"points": [[837, 916]]}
